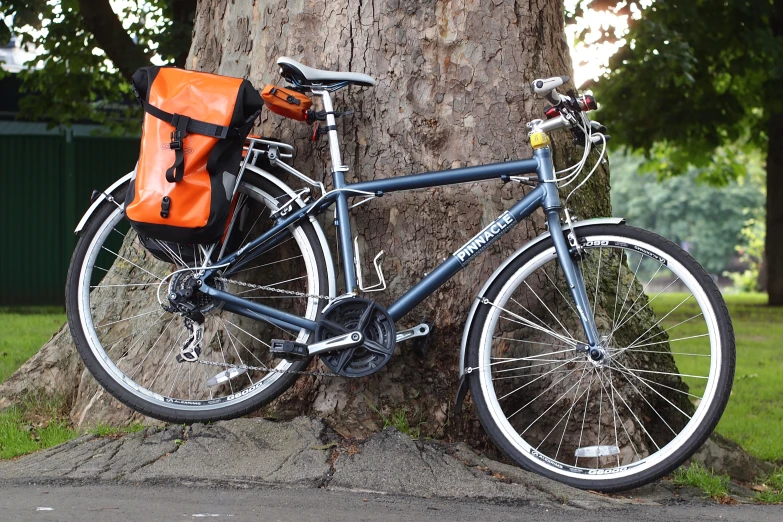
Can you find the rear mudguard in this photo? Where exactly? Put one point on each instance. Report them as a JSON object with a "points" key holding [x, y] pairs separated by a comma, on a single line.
{"points": [[108, 196], [463, 377]]}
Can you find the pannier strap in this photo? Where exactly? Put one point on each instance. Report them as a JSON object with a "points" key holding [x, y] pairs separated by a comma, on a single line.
{"points": [[194, 126], [176, 172], [185, 125]]}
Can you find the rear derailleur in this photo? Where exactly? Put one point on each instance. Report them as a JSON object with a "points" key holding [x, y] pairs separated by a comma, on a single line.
{"points": [[185, 299], [191, 350]]}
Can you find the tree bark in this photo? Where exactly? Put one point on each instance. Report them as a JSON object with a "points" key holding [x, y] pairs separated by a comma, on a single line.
{"points": [[773, 247], [453, 90], [100, 19]]}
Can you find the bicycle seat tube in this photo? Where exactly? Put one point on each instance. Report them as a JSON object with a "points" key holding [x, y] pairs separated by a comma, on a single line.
{"points": [[552, 206], [343, 221]]}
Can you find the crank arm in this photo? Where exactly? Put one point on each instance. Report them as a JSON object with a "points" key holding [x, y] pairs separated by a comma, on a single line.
{"points": [[340, 342], [417, 331]]}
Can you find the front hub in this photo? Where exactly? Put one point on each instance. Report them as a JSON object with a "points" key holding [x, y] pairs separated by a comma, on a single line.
{"points": [[598, 355]]}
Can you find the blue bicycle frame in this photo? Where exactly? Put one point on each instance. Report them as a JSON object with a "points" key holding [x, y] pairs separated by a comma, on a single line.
{"points": [[544, 195]]}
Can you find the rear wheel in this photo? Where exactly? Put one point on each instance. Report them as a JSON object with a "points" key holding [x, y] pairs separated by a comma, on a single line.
{"points": [[131, 344], [621, 420]]}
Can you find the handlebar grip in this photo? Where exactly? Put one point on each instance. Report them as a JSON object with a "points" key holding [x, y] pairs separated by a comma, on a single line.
{"points": [[545, 87]]}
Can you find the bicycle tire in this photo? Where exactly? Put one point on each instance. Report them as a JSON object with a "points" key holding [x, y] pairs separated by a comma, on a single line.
{"points": [[530, 448], [236, 403]]}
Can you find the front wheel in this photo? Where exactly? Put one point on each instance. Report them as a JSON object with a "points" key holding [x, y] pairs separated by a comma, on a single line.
{"points": [[626, 418]]}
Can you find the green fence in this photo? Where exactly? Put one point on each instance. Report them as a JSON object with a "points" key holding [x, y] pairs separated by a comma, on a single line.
{"points": [[46, 178]]}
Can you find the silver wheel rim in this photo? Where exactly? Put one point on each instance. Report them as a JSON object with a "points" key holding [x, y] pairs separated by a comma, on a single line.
{"points": [[127, 383], [522, 446]]}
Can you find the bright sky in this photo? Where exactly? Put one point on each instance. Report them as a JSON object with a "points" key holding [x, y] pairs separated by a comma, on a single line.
{"points": [[590, 59]]}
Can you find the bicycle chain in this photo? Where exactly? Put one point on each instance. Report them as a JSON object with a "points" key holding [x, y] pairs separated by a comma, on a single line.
{"points": [[265, 369], [272, 289]]}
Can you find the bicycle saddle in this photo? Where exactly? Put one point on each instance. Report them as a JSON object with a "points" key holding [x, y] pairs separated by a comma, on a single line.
{"points": [[305, 75]]}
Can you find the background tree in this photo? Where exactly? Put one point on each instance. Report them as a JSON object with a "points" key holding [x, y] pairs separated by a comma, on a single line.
{"points": [[88, 52], [709, 219], [696, 84]]}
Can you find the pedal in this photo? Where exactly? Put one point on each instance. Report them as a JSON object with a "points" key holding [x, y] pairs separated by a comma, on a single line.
{"points": [[289, 349]]}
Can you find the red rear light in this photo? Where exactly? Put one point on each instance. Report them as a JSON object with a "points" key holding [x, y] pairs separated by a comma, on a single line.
{"points": [[587, 103]]}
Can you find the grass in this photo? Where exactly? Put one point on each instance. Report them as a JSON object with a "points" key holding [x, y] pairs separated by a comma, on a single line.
{"points": [[398, 418], [22, 332], [753, 418], [38, 422], [754, 415], [106, 430], [773, 484], [713, 486], [35, 423]]}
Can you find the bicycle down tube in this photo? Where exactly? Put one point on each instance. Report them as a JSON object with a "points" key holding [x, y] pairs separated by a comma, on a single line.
{"points": [[545, 195]]}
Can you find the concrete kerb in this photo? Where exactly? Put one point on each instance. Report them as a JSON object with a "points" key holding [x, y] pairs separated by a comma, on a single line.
{"points": [[300, 453]]}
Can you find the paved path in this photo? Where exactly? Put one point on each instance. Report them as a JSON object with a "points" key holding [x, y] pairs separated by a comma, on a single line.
{"points": [[108, 503], [254, 469]]}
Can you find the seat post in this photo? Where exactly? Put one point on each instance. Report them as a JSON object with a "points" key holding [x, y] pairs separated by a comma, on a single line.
{"points": [[343, 221], [334, 141]]}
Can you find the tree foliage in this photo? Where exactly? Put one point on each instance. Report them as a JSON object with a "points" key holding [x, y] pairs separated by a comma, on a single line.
{"points": [[694, 84], [87, 52], [709, 220]]}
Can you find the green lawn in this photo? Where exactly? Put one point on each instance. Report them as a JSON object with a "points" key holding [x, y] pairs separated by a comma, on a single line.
{"points": [[754, 415], [753, 418], [21, 334]]}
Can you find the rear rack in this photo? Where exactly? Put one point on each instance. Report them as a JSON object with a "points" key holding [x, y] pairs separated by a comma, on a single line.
{"points": [[279, 155]]}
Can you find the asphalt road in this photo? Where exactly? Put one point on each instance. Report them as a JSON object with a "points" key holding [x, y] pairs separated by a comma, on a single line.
{"points": [[107, 503]]}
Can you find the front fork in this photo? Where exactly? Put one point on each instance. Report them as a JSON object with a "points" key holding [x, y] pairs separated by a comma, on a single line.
{"points": [[574, 279]]}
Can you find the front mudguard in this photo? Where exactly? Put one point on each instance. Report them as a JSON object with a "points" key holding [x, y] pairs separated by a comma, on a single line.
{"points": [[462, 387]]}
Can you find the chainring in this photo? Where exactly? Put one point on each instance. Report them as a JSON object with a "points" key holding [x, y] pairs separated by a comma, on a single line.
{"points": [[373, 321]]}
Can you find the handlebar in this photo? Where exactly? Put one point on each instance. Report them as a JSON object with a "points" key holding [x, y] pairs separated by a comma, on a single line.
{"points": [[562, 113], [545, 87]]}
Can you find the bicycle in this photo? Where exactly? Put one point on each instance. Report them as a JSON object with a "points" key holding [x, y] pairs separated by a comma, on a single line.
{"points": [[549, 344]]}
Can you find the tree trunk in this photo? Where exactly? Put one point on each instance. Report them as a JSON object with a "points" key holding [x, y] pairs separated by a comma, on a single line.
{"points": [[453, 90], [773, 247]]}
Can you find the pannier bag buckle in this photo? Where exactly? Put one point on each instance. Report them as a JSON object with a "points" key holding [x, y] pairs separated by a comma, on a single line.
{"points": [[176, 141], [165, 206]]}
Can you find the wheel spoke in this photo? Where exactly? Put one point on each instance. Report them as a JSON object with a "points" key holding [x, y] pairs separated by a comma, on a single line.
{"points": [[542, 385], [133, 339], [548, 310], [656, 391]]}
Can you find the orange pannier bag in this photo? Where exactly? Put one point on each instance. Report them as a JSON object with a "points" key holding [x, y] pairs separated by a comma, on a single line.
{"points": [[286, 102], [195, 125]]}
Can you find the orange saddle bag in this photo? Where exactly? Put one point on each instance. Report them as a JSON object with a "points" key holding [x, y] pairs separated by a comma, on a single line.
{"points": [[194, 128], [286, 102]]}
